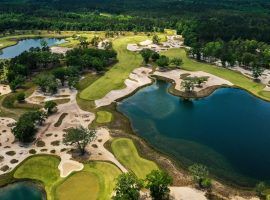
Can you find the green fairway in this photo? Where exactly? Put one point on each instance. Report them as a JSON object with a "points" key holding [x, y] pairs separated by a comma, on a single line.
{"points": [[126, 152], [104, 117], [115, 77], [42, 168], [96, 181], [235, 77]]}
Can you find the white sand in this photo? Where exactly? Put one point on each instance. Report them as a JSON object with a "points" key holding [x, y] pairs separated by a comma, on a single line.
{"points": [[4, 89], [139, 77], [39, 97], [175, 76], [67, 166], [146, 42], [60, 50], [186, 193]]}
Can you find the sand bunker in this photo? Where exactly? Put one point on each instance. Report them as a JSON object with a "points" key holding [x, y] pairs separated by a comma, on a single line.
{"points": [[67, 166], [60, 50], [137, 78], [175, 76], [4, 89], [187, 193]]}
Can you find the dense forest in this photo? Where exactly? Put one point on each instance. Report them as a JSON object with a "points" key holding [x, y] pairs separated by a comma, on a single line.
{"points": [[200, 22]]}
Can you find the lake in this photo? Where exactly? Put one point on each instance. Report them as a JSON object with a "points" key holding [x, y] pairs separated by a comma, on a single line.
{"points": [[21, 191], [228, 131], [25, 45]]}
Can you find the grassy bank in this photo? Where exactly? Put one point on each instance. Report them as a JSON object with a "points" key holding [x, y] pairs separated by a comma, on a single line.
{"points": [[126, 152], [236, 78]]}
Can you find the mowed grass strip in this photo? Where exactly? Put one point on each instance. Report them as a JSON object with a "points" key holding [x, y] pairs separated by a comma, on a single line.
{"points": [[126, 152], [115, 77], [104, 117], [43, 168], [236, 78], [96, 181]]}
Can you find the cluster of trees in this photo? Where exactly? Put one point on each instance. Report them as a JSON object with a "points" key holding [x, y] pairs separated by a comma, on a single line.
{"points": [[49, 82], [90, 58], [161, 60], [26, 126], [24, 65], [189, 83], [245, 53], [128, 186]]}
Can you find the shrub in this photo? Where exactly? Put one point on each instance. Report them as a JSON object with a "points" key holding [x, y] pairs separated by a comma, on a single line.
{"points": [[21, 97]]}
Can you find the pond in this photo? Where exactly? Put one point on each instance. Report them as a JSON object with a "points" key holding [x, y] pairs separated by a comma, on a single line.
{"points": [[229, 131], [21, 191], [25, 45]]}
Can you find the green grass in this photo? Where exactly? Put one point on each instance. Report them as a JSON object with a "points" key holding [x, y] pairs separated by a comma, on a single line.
{"points": [[126, 152], [73, 188], [42, 168], [96, 181], [115, 77], [104, 117], [235, 77]]}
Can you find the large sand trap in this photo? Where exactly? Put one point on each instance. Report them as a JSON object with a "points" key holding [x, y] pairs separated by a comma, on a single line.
{"points": [[139, 77], [4, 89], [175, 76], [187, 193], [60, 50], [39, 97]]}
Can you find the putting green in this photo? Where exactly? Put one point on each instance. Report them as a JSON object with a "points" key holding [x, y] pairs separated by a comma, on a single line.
{"points": [[96, 181], [115, 77], [104, 117], [236, 78], [126, 152], [80, 186]]}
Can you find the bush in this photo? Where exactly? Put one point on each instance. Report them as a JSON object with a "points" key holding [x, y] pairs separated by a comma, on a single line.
{"points": [[206, 183], [21, 97], [163, 61]]}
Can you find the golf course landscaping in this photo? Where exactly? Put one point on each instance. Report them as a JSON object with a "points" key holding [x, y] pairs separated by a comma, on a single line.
{"points": [[115, 77], [126, 152], [96, 179], [236, 78]]}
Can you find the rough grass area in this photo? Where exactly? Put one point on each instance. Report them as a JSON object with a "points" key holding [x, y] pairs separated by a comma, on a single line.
{"points": [[42, 168], [115, 77], [104, 117], [96, 181], [126, 152], [235, 77]]}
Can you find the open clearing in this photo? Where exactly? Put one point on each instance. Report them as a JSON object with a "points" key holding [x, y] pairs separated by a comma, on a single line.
{"points": [[126, 152]]}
